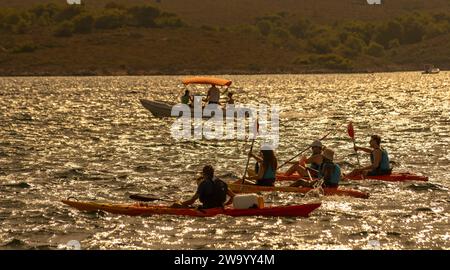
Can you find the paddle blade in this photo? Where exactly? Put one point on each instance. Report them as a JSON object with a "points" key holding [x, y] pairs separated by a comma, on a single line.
{"points": [[350, 130]]}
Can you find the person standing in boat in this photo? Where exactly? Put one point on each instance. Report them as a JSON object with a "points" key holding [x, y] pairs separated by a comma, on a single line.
{"points": [[211, 191], [314, 161], [213, 96], [265, 168], [328, 170], [378, 157]]}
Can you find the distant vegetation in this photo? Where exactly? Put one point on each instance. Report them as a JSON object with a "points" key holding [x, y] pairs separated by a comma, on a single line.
{"points": [[70, 19], [334, 46]]}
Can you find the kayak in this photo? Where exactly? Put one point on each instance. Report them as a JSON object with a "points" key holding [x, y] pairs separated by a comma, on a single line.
{"points": [[393, 177], [144, 209], [239, 188]]}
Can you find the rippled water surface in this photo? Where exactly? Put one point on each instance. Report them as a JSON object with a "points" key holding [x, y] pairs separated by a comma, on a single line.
{"points": [[90, 138]]}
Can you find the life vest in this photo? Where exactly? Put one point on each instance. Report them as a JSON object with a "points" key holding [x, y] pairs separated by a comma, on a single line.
{"points": [[214, 193], [384, 163], [335, 176]]}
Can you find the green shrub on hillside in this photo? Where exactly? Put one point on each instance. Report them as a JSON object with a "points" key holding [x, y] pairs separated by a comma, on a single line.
{"points": [[143, 16], [25, 48], [265, 27], [389, 31], [395, 43], [83, 23], [331, 61], [69, 12], [65, 29], [169, 22], [111, 19], [301, 29], [355, 44], [414, 30], [114, 5], [323, 43], [375, 50]]}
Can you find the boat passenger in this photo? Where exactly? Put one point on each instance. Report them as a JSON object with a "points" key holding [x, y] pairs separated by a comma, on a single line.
{"points": [[211, 191], [230, 98], [314, 161], [186, 98], [379, 159], [213, 95], [329, 171], [265, 168]]}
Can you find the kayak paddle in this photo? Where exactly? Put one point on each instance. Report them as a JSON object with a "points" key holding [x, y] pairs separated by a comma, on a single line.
{"points": [[351, 133], [304, 150], [251, 149]]}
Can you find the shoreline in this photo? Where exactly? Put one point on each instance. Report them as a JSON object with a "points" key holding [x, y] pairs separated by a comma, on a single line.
{"points": [[200, 73]]}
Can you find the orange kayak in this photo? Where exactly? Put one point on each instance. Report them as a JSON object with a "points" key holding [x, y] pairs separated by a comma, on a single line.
{"points": [[239, 188], [143, 209], [393, 177]]}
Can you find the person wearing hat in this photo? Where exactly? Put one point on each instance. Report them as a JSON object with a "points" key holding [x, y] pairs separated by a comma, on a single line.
{"points": [[378, 157], [329, 171], [315, 161]]}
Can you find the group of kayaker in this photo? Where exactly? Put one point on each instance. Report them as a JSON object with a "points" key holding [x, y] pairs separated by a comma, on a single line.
{"points": [[319, 168]]}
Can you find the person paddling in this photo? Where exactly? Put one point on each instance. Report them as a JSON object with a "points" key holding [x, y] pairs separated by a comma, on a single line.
{"points": [[314, 161], [211, 191], [265, 168], [330, 171], [379, 159]]}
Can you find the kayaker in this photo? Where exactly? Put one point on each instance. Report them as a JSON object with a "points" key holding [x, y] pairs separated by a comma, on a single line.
{"points": [[211, 191], [186, 98], [213, 95], [329, 171], [265, 168], [378, 157], [314, 161]]}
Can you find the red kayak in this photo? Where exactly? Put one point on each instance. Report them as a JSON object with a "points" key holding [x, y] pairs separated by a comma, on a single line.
{"points": [[143, 209], [393, 177]]}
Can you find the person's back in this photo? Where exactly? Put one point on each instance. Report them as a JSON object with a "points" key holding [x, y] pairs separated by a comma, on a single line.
{"points": [[330, 171], [213, 95], [212, 193], [185, 98], [269, 164]]}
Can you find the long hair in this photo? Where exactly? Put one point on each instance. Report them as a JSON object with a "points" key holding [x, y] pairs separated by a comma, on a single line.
{"points": [[269, 159]]}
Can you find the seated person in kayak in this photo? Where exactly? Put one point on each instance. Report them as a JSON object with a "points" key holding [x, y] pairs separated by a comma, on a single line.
{"points": [[187, 98], [265, 168], [378, 157], [211, 191], [330, 172], [315, 160]]}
